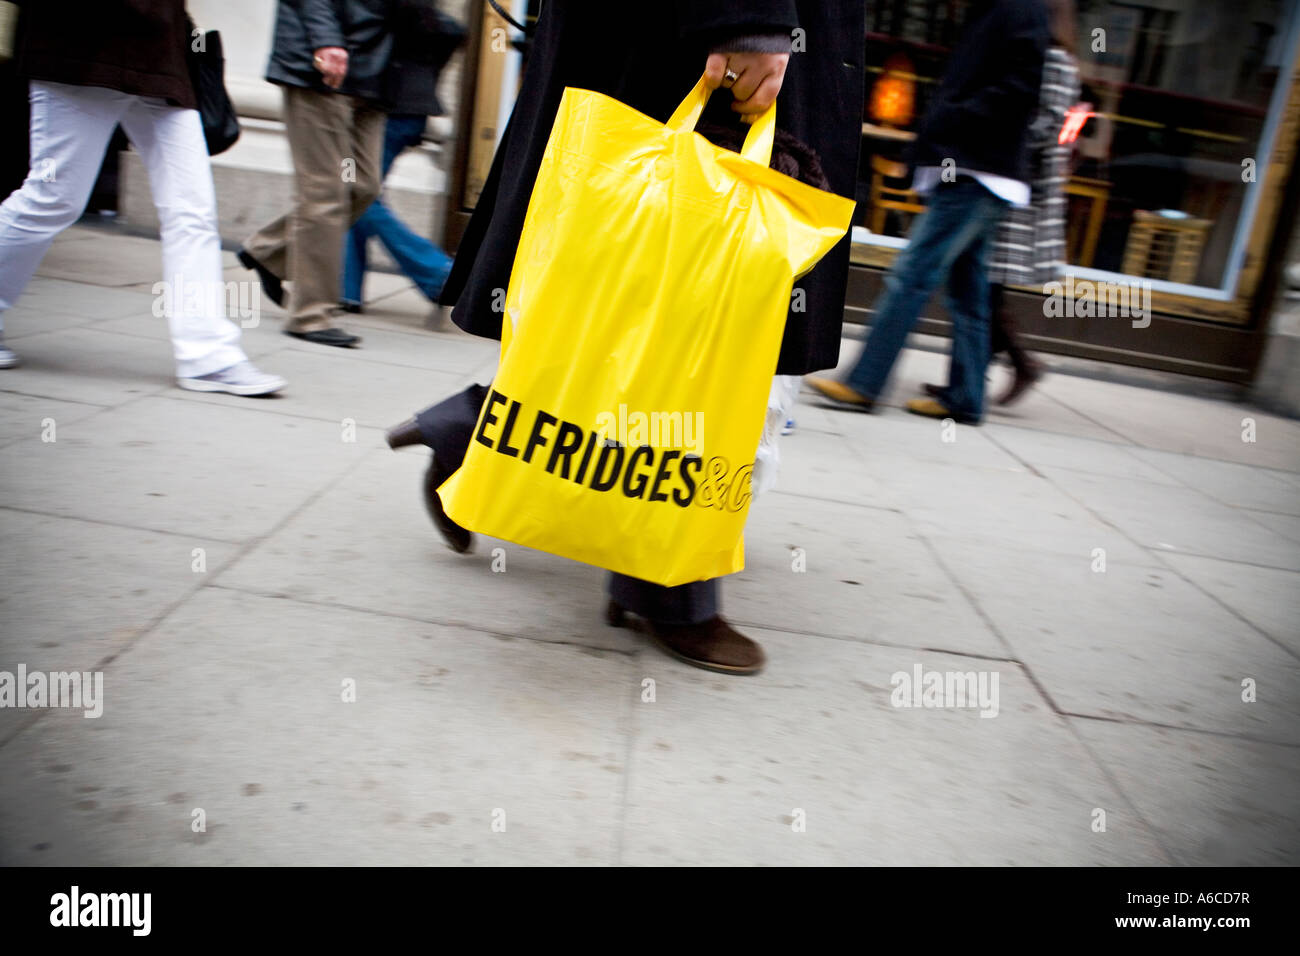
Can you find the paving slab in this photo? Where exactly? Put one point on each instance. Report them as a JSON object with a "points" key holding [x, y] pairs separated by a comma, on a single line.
{"points": [[78, 592], [1179, 520], [78, 257], [821, 465], [1288, 526], [1269, 598], [188, 468], [1113, 459], [91, 301], [1231, 483], [1133, 644], [1186, 424], [87, 365], [367, 543], [861, 574], [23, 417], [1213, 801], [1012, 511], [724, 771], [234, 706]]}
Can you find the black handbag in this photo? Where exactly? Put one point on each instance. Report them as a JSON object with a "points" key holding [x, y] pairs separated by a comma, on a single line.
{"points": [[207, 76]]}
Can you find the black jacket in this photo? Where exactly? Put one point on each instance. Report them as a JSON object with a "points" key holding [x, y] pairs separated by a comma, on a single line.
{"points": [[980, 114], [659, 55], [362, 27], [423, 41]]}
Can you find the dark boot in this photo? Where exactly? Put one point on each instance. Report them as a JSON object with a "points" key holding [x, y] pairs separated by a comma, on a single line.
{"points": [[1028, 372], [458, 539]]}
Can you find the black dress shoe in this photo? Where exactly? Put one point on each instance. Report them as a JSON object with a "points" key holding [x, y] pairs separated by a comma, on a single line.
{"points": [[271, 283], [344, 340], [356, 308], [458, 539], [934, 391]]}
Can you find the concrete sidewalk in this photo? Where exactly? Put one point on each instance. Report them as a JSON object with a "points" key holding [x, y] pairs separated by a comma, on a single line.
{"points": [[230, 565]]}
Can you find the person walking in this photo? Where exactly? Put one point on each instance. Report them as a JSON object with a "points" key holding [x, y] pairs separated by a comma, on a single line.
{"points": [[971, 161], [423, 40], [744, 49], [329, 57], [1030, 245], [113, 62]]}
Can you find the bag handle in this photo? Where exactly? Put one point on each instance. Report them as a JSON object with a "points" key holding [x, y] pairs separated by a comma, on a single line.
{"points": [[758, 141]]}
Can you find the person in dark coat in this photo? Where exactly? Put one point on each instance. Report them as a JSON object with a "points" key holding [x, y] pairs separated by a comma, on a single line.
{"points": [[649, 57], [423, 40]]}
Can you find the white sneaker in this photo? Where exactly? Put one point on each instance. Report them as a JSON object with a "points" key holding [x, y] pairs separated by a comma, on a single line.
{"points": [[243, 378], [8, 357]]}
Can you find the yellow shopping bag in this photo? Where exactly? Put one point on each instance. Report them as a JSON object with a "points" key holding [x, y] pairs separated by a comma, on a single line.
{"points": [[641, 331]]}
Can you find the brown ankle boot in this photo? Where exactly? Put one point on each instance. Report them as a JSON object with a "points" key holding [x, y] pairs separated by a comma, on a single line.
{"points": [[713, 644], [1026, 376]]}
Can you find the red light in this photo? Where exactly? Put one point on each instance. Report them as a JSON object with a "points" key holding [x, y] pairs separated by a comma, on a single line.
{"points": [[1075, 117]]}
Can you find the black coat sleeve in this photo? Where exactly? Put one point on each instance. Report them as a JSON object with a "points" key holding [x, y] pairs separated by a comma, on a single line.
{"points": [[1015, 92], [724, 18]]}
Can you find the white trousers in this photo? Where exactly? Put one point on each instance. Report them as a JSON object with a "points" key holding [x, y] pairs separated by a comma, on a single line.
{"points": [[71, 129]]}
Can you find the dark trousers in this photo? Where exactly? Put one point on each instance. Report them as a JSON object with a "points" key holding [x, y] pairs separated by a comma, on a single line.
{"points": [[447, 428]]}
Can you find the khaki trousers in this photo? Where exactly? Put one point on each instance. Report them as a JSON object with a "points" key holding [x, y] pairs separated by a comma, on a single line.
{"points": [[337, 144]]}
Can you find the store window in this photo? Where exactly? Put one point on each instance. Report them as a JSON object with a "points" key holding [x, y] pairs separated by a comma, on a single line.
{"points": [[1167, 174]]}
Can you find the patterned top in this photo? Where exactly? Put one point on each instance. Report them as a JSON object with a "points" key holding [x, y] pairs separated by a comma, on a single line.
{"points": [[1030, 245]]}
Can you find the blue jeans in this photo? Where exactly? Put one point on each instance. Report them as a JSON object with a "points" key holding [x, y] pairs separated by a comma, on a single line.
{"points": [[425, 264], [952, 238]]}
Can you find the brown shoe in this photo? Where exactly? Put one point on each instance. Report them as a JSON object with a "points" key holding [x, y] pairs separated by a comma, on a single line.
{"points": [[841, 394], [1025, 379], [713, 644]]}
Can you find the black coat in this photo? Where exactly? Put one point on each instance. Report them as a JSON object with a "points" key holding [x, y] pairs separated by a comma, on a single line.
{"points": [[362, 27], [980, 114], [424, 39], [649, 56], [135, 46]]}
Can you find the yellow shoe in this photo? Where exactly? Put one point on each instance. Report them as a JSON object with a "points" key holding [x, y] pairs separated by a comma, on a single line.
{"points": [[840, 393], [932, 408]]}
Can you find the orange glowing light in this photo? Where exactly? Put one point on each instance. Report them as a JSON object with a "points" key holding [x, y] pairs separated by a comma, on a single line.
{"points": [[893, 98]]}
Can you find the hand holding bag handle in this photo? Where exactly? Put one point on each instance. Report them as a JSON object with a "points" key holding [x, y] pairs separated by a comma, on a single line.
{"points": [[758, 141]]}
